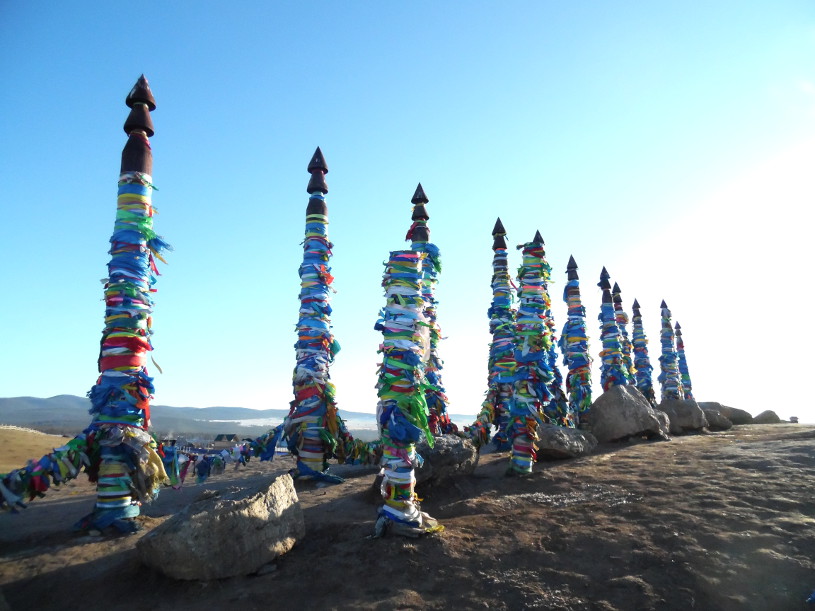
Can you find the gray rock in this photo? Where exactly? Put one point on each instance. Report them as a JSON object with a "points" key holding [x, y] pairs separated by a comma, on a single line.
{"points": [[736, 416], [450, 456], [715, 420], [226, 534], [767, 417], [664, 422], [685, 415], [560, 442], [622, 412]]}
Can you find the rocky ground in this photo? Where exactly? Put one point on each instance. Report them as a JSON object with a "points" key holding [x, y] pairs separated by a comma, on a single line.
{"points": [[712, 521]]}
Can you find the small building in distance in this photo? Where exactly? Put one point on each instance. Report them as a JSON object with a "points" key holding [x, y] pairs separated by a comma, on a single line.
{"points": [[224, 441]]}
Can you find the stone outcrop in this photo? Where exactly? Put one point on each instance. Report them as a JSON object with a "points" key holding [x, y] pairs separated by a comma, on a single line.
{"points": [[715, 420], [664, 422], [561, 442], [736, 416], [622, 412], [450, 456], [226, 534], [767, 417], [685, 414]]}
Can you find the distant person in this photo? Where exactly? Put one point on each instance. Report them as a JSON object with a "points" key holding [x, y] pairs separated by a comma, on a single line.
{"points": [[202, 470]]}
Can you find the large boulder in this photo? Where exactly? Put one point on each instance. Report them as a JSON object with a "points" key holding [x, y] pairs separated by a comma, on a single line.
{"points": [[226, 534], [622, 412], [736, 416], [685, 415], [767, 417], [560, 442], [715, 420], [450, 456]]}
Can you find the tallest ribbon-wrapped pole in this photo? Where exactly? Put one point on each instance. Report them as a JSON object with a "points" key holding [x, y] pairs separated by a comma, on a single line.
{"points": [[313, 424], [123, 460]]}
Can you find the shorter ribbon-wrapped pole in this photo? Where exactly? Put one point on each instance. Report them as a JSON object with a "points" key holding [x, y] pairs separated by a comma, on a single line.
{"points": [[622, 324], [574, 343], [501, 363], [613, 372], [642, 362], [532, 388], [402, 412], [669, 378], [684, 374], [419, 236]]}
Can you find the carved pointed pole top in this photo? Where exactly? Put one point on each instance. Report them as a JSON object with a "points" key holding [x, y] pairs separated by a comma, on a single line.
{"points": [[419, 231], [678, 328], [318, 169], [663, 304], [141, 94], [538, 239], [419, 196], [617, 293], [605, 284], [317, 162], [636, 306], [571, 269], [136, 155], [498, 233], [418, 200]]}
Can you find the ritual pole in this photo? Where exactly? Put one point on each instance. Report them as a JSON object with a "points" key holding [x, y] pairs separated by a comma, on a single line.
{"points": [[401, 412], [684, 374], [556, 410], [312, 426], [419, 236], [574, 343], [116, 449], [123, 458], [501, 364], [669, 378], [642, 363], [612, 372], [622, 324], [531, 390]]}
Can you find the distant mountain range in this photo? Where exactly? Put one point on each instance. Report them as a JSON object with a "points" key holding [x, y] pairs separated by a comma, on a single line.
{"points": [[68, 415]]}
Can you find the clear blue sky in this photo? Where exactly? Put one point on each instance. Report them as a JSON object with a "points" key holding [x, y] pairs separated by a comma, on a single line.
{"points": [[672, 142]]}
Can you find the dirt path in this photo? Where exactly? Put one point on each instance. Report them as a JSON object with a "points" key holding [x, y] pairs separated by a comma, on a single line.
{"points": [[718, 521]]}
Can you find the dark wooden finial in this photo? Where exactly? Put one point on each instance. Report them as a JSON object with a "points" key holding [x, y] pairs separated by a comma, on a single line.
{"points": [[141, 94], [317, 162], [571, 269], [136, 154], [419, 231], [663, 304], [605, 284], [318, 169], [678, 328], [419, 197], [538, 239], [636, 306], [498, 234]]}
